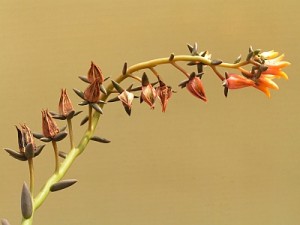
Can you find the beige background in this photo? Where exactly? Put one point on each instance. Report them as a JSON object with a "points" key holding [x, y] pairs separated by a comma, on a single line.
{"points": [[228, 162]]}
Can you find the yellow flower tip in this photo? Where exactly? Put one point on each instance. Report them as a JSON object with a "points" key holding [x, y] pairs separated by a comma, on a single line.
{"points": [[269, 54], [284, 75]]}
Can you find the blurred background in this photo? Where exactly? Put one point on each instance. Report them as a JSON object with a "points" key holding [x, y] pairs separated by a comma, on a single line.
{"points": [[226, 162]]}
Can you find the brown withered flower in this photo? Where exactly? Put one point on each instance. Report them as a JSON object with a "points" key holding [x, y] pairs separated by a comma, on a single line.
{"points": [[163, 92], [50, 128], [27, 147], [148, 93], [124, 96], [91, 95], [51, 132], [65, 107], [93, 74]]}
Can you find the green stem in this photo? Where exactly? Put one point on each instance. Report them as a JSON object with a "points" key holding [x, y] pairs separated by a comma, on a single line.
{"points": [[54, 144], [31, 175], [90, 118], [69, 121], [61, 170]]}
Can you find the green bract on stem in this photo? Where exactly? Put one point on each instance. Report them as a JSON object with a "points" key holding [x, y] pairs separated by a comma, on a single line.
{"points": [[96, 95]]}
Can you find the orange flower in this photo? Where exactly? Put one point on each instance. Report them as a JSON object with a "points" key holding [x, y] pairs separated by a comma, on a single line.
{"points": [[264, 82], [195, 87], [163, 92], [235, 81], [275, 64]]}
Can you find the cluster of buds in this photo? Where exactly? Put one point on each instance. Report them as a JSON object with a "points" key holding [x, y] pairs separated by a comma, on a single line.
{"points": [[91, 95], [149, 93]]}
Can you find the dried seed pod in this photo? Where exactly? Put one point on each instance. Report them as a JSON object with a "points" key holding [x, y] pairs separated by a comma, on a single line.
{"points": [[4, 222], [100, 139], [26, 202], [62, 185]]}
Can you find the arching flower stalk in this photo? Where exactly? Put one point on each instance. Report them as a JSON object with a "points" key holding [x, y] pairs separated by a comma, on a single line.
{"points": [[265, 67]]}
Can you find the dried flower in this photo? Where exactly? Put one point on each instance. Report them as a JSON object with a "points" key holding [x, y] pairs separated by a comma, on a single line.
{"points": [[95, 73], [163, 92], [148, 93], [27, 147], [126, 98], [195, 87], [65, 107], [50, 128], [92, 93]]}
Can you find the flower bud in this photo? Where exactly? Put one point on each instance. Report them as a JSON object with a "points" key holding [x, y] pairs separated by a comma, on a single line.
{"points": [[95, 73], [50, 128], [126, 98], [164, 92], [148, 93], [65, 106], [92, 93], [235, 81], [195, 87]]}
